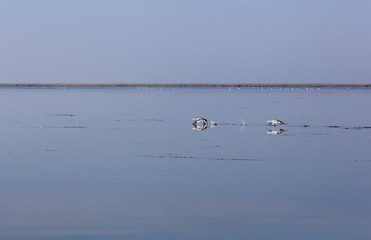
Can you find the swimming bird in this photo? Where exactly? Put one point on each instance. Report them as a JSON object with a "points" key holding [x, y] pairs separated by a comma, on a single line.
{"points": [[275, 122], [212, 123], [201, 123], [199, 120]]}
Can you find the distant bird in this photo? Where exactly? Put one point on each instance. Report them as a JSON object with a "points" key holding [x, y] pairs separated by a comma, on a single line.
{"points": [[276, 132], [275, 122], [201, 123], [199, 120], [212, 123]]}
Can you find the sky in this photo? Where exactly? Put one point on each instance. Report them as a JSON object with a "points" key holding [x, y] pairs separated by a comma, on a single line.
{"points": [[193, 41]]}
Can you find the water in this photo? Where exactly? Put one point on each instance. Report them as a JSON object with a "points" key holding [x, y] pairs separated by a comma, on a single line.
{"points": [[126, 164]]}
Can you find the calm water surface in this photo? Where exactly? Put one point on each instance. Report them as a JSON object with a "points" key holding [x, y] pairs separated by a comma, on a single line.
{"points": [[126, 164]]}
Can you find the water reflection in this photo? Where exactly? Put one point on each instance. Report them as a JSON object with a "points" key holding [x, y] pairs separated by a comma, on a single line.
{"points": [[276, 132]]}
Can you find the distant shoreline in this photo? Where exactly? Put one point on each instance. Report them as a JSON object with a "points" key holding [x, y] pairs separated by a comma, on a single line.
{"points": [[184, 85]]}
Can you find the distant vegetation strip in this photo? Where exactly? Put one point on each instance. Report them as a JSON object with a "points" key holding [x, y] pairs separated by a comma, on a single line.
{"points": [[184, 85]]}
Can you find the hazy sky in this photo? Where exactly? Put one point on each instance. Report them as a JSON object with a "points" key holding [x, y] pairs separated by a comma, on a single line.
{"points": [[193, 41]]}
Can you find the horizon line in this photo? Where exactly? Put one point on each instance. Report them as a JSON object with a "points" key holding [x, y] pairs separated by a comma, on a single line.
{"points": [[189, 85]]}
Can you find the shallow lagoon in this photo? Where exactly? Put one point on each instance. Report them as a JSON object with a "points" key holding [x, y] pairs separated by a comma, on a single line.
{"points": [[126, 164]]}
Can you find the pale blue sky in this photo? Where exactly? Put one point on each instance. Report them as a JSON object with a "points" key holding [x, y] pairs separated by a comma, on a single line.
{"points": [[193, 41]]}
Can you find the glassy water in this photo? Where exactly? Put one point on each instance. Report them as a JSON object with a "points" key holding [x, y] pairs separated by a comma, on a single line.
{"points": [[127, 164]]}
